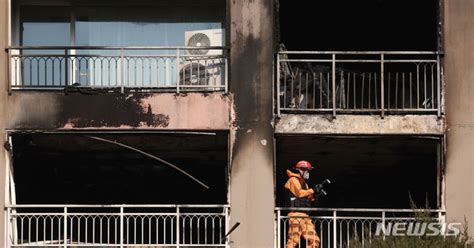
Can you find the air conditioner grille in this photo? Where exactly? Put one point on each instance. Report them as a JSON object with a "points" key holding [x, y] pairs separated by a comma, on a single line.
{"points": [[199, 40]]}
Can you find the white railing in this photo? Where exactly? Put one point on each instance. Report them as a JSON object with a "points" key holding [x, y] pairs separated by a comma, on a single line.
{"points": [[339, 227], [116, 225], [359, 82], [148, 68]]}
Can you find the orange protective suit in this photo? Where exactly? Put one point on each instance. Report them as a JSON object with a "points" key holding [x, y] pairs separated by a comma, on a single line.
{"points": [[299, 223]]}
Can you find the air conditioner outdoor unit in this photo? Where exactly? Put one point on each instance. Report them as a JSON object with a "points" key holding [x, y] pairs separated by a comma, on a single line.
{"points": [[203, 66], [204, 38]]}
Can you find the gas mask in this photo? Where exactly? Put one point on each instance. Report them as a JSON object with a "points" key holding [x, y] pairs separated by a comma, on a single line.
{"points": [[306, 175]]}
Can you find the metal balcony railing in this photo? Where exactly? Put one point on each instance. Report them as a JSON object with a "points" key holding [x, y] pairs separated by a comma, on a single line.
{"points": [[116, 225], [359, 82], [149, 68], [339, 227]]}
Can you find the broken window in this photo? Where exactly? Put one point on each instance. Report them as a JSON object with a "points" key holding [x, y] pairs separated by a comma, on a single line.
{"points": [[76, 189], [74, 169], [345, 25]]}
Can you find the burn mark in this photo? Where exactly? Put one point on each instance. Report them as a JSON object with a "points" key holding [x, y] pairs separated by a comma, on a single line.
{"points": [[251, 80], [108, 110]]}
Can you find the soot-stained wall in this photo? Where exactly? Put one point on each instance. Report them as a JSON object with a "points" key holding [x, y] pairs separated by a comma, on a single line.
{"points": [[56, 110]]}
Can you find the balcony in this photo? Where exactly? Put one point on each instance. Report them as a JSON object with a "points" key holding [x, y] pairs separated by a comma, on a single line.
{"points": [[117, 225], [351, 227], [359, 82], [141, 45], [175, 69]]}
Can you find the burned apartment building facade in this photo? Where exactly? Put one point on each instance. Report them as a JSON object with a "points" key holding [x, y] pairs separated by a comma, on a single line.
{"points": [[166, 123]]}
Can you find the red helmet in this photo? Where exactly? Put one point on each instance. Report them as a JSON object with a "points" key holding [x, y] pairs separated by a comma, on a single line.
{"points": [[304, 165]]}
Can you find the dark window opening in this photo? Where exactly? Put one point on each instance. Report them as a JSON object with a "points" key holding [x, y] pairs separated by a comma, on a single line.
{"points": [[366, 172], [346, 25], [74, 169], [384, 56]]}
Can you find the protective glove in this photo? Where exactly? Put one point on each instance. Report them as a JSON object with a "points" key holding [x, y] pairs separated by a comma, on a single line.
{"points": [[319, 188]]}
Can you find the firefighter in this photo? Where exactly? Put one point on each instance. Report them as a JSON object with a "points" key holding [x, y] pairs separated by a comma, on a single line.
{"points": [[300, 196]]}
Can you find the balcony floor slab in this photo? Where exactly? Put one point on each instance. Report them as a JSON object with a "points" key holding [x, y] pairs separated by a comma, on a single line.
{"points": [[360, 124]]}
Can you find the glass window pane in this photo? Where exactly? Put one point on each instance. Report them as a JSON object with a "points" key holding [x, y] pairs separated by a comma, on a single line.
{"points": [[119, 25], [143, 25], [152, 25], [44, 26]]}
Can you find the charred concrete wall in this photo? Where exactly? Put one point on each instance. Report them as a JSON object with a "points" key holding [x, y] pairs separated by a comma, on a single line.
{"points": [[459, 61], [56, 110], [252, 194]]}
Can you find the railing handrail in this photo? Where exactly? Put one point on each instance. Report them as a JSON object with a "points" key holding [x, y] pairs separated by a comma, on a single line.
{"points": [[364, 52], [68, 227], [117, 206], [341, 226], [152, 67], [115, 48], [362, 210], [345, 90]]}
